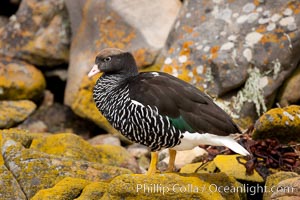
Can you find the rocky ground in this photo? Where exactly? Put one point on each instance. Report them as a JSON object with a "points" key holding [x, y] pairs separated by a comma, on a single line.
{"points": [[56, 145]]}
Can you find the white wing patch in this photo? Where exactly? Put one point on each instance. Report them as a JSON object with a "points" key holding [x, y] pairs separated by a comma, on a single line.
{"points": [[137, 103], [155, 74]]}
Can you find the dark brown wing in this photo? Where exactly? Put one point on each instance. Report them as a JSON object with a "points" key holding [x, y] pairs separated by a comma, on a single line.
{"points": [[185, 105]]}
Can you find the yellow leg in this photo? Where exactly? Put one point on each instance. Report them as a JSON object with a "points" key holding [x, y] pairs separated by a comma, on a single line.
{"points": [[171, 166], [153, 162]]}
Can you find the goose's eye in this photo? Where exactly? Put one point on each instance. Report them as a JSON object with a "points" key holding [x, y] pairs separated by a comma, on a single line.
{"points": [[107, 59]]}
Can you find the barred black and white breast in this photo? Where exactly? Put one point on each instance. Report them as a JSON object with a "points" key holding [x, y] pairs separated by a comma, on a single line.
{"points": [[156, 109]]}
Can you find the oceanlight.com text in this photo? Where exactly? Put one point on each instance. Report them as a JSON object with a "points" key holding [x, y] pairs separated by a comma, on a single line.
{"points": [[190, 188]]}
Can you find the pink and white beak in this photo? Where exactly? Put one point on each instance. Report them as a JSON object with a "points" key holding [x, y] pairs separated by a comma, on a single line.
{"points": [[93, 71]]}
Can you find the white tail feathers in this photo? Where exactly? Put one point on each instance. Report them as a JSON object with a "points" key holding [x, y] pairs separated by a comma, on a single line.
{"points": [[191, 140], [234, 146]]}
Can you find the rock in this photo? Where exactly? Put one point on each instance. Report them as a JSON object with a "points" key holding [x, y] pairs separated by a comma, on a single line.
{"points": [[14, 112], [3, 21], [20, 80], [20, 135], [68, 188], [94, 190], [223, 163], [230, 165], [9, 187], [200, 167], [129, 25], [73, 188], [273, 181], [161, 186], [58, 118], [280, 123], [35, 126], [35, 170], [105, 139], [186, 157], [240, 51], [72, 146], [172, 186], [287, 95], [138, 150], [38, 33], [288, 189]]}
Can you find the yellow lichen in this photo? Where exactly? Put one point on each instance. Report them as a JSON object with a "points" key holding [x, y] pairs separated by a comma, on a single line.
{"points": [[19, 80], [172, 186], [73, 146], [13, 112], [230, 165], [93, 191], [68, 188], [281, 123]]}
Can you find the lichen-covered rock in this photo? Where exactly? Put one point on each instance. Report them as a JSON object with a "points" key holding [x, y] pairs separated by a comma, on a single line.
{"points": [[273, 181], [288, 189], [105, 139], [68, 188], [280, 123], [287, 94], [38, 33], [173, 186], [73, 188], [229, 164], [20, 80], [200, 167], [128, 25], [73, 146], [14, 112], [222, 46], [9, 187], [35, 170], [158, 186], [3, 21], [93, 191]]}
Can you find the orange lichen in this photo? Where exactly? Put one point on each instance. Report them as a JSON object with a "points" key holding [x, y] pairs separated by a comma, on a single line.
{"points": [[203, 18], [168, 69], [214, 52], [256, 2], [269, 37], [261, 29], [187, 29], [185, 50], [171, 50], [119, 35], [295, 6], [144, 57]]}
